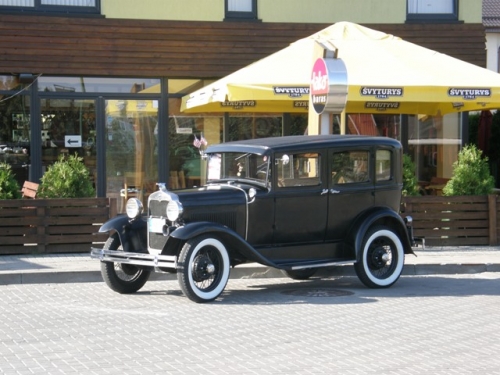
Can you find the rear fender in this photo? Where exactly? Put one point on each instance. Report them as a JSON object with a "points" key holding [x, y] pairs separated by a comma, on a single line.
{"points": [[379, 216], [229, 237], [132, 233]]}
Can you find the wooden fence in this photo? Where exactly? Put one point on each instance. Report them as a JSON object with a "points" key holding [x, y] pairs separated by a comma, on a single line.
{"points": [[34, 226], [454, 221], [38, 226]]}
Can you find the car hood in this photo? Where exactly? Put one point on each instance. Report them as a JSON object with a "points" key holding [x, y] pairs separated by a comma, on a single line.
{"points": [[214, 195]]}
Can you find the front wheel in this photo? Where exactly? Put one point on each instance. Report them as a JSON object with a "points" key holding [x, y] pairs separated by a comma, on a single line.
{"points": [[382, 258], [120, 277], [203, 268]]}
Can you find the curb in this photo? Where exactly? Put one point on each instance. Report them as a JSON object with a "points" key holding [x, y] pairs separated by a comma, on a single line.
{"points": [[242, 272]]}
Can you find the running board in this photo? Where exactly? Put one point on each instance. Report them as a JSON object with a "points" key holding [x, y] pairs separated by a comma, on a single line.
{"points": [[294, 266]]}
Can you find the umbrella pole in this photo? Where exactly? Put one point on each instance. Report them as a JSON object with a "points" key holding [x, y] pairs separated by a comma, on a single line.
{"points": [[342, 122]]}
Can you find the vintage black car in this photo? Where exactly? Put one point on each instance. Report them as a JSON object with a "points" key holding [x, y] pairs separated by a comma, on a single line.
{"points": [[295, 203]]}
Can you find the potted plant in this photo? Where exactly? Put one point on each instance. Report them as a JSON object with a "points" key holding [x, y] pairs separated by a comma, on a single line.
{"points": [[471, 174], [67, 178], [9, 188]]}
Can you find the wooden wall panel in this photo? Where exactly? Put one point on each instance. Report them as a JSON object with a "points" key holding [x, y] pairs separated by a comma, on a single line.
{"points": [[182, 49]]}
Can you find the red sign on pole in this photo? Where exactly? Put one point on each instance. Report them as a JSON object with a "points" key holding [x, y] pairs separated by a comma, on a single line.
{"points": [[319, 86], [328, 87]]}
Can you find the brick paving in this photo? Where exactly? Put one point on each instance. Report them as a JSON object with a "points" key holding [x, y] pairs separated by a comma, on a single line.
{"points": [[439, 324]]}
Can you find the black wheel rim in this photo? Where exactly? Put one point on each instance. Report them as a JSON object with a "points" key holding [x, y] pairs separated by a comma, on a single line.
{"points": [[206, 268], [382, 257], [127, 272]]}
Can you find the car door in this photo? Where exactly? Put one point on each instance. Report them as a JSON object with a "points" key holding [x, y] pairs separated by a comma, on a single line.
{"points": [[300, 198], [350, 188]]}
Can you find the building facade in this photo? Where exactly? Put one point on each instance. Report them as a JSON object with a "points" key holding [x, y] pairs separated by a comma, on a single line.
{"points": [[491, 21], [104, 79]]}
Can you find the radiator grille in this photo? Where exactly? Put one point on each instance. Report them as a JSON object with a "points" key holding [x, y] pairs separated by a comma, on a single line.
{"points": [[158, 208], [157, 240]]}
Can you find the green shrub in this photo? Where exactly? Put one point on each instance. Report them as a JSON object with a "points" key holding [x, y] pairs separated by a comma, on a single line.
{"points": [[471, 174], [410, 183], [66, 178], [9, 188]]}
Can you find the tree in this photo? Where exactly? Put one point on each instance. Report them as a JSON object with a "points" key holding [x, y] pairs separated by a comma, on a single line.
{"points": [[410, 183], [9, 188], [471, 174], [66, 178]]}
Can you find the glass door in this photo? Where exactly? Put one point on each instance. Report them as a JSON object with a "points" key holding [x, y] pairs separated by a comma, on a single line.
{"points": [[68, 127], [131, 149]]}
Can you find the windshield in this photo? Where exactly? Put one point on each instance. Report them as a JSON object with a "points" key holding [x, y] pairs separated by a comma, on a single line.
{"points": [[238, 166]]}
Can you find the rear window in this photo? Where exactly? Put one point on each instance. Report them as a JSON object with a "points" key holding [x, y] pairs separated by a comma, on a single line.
{"points": [[383, 165]]}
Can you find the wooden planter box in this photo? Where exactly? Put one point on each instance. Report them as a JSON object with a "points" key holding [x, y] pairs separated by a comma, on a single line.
{"points": [[34, 226], [454, 221]]}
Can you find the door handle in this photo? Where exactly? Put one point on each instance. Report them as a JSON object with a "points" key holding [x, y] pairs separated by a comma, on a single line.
{"points": [[333, 191]]}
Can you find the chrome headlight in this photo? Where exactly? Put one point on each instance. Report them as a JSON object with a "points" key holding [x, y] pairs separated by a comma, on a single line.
{"points": [[174, 210], [134, 208]]}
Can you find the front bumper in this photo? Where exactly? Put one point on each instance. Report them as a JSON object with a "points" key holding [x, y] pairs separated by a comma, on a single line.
{"points": [[146, 260]]}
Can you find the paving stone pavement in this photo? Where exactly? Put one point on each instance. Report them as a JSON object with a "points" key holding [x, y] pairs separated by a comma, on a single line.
{"points": [[73, 268], [425, 324]]}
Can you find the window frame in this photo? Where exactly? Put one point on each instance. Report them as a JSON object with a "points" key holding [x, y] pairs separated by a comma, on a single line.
{"points": [[53, 9], [433, 17], [240, 16]]}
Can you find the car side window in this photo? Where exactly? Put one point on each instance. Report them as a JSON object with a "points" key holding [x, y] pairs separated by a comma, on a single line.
{"points": [[349, 167], [298, 169], [383, 165]]}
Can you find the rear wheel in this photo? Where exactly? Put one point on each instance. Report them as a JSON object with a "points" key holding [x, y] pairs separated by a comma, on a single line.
{"points": [[203, 268], [382, 258], [302, 274], [120, 277]]}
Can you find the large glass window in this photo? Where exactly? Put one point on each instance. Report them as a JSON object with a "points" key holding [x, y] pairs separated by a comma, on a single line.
{"points": [[428, 10], [15, 132], [61, 6], [258, 125], [376, 125], [434, 143], [188, 138]]}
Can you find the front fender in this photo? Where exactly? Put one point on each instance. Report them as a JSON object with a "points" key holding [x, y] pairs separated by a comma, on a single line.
{"points": [[230, 238], [378, 216], [132, 233]]}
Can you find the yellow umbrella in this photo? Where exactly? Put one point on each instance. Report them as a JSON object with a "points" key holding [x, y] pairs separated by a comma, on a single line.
{"points": [[385, 74]]}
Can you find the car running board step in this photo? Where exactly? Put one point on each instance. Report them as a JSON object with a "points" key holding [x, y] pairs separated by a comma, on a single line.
{"points": [[315, 264]]}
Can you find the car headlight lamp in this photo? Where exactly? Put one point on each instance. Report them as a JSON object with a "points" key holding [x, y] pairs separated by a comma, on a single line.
{"points": [[174, 210], [134, 208]]}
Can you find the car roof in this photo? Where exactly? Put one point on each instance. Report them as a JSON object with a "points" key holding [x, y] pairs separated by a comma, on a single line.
{"points": [[299, 142]]}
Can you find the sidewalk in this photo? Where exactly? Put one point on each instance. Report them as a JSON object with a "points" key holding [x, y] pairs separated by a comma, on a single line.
{"points": [[77, 268]]}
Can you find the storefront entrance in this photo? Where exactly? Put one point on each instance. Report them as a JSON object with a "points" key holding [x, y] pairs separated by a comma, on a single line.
{"points": [[112, 124]]}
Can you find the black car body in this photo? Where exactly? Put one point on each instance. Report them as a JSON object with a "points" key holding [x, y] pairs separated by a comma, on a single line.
{"points": [[295, 203]]}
